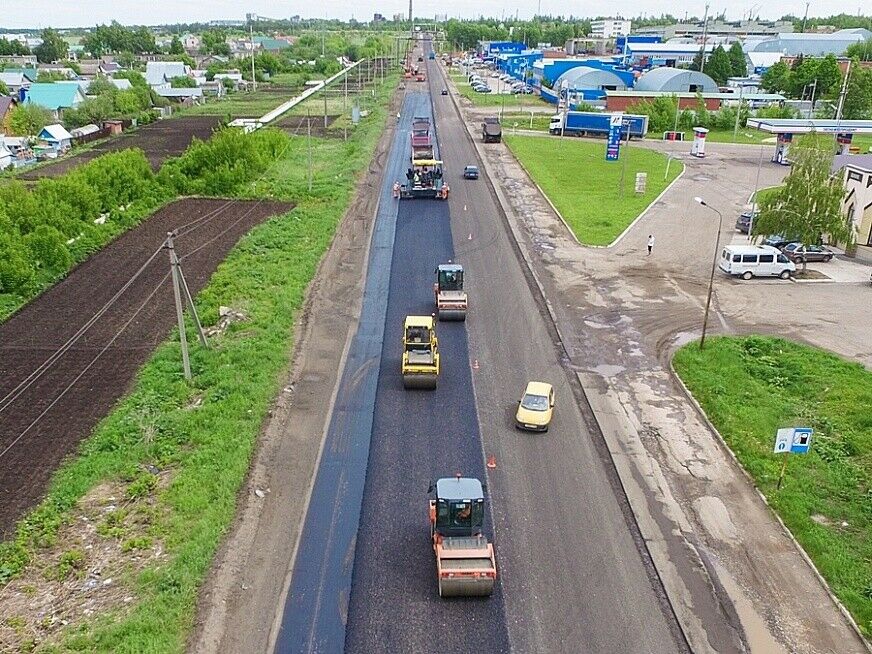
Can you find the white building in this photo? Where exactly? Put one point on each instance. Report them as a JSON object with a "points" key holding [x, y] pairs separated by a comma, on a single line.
{"points": [[609, 28]]}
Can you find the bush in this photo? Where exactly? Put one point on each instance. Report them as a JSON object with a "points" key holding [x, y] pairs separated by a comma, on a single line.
{"points": [[47, 248], [16, 272], [223, 164], [776, 111]]}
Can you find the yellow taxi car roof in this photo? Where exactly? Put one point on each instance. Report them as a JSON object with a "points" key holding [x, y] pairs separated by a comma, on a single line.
{"points": [[537, 388], [419, 321]]}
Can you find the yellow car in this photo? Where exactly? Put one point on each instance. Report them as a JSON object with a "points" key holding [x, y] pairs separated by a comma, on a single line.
{"points": [[536, 407]]}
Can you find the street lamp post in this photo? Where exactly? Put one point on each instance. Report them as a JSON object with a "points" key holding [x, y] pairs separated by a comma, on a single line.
{"points": [[708, 300]]}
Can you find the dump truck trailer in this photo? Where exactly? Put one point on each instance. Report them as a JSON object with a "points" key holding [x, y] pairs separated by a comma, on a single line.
{"points": [[465, 562], [491, 130]]}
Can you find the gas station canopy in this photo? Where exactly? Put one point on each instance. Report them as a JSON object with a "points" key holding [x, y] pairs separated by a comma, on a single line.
{"points": [[803, 126], [785, 128]]}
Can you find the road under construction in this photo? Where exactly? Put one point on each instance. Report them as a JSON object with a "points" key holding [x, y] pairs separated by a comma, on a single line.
{"points": [[574, 574]]}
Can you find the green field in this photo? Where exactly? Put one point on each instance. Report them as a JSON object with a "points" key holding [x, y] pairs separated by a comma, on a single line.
{"points": [[749, 387], [239, 105], [173, 454], [585, 187]]}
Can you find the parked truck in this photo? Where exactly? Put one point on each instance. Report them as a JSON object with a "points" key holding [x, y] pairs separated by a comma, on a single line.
{"points": [[491, 130], [591, 123]]}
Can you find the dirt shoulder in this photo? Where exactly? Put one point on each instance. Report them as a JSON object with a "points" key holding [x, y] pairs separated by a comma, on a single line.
{"points": [[244, 593], [620, 316]]}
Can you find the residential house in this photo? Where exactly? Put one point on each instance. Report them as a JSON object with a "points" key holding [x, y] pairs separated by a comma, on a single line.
{"points": [[14, 81], [159, 73], [6, 156], [269, 44], [191, 42], [67, 72], [858, 199], [56, 137], [121, 84], [31, 73], [55, 96], [184, 96], [204, 61], [19, 60], [89, 69], [110, 67], [7, 103]]}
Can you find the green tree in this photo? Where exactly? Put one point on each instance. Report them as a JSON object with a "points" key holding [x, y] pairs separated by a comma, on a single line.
{"points": [[182, 82], [48, 76], [16, 272], [4, 90], [778, 78], [53, 47], [738, 63], [718, 66], [214, 42], [15, 47], [829, 76], [28, 119], [101, 87], [808, 206], [176, 46], [858, 99], [696, 64], [862, 51], [661, 112], [804, 72]]}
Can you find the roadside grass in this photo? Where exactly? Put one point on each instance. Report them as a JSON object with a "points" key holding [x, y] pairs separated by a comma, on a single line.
{"points": [[202, 433], [764, 193], [751, 386], [585, 187]]}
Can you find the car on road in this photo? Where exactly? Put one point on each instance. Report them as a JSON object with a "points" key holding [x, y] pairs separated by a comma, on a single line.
{"points": [[798, 253], [470, 172], [743, 222], [777, 241], [536, 407], [444, 91]]}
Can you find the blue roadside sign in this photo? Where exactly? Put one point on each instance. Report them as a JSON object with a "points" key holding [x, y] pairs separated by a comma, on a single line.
{"points": [[613, 145], [801, 440]]}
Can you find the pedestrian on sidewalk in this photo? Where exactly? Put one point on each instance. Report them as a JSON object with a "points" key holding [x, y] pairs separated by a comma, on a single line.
{"points": [[650, 243]]}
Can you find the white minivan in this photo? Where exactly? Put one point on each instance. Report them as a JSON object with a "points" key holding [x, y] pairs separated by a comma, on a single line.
{"points": [[749, 261]]}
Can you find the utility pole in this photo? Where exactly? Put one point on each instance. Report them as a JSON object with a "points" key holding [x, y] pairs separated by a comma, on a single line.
{"points": [[805, 17], [309, 147], [325, 105], [738, 112], [180, 287], [251, 43], [704, 34], [813, 91], [843, 92]]}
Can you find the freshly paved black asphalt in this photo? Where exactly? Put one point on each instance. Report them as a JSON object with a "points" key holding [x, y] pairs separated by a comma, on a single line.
{"points": [[411, 439]]}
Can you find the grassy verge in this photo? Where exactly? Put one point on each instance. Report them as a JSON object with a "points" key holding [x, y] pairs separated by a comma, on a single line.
{"points": [[585, 187], [750, 387], [177, 452], [239, 105]]}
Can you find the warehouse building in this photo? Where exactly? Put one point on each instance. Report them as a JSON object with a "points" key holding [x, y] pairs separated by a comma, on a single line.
{"points": [[664, 54], [585, 84], [609, 28], [675, 80], [815, 45], [730, 31]]}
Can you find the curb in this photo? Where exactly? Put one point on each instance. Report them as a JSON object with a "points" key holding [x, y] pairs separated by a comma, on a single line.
{"points": [[726, 448]]}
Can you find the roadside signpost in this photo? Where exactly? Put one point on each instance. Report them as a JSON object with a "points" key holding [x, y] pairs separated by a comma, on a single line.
{"points": [[791, 440], [613, 145]]}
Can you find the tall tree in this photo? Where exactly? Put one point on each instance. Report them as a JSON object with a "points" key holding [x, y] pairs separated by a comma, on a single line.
{"points": [[861, 50], [829, 76], [53, 47], [718, 66], [28, 119], [858, 99], [738, 63], [778, 78], [696, 64], [176, 46], [808, 206]]}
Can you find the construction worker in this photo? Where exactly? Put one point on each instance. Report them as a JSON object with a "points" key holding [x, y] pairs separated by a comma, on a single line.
{"points": [[396, 190], [463, 515], [398, 116]]}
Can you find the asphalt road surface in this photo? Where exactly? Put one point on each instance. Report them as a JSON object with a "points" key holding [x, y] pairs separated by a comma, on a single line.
{"points": [[573, 573]]}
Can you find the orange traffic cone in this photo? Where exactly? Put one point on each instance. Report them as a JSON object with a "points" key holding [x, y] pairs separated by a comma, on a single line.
{"points": [[492, 461]]}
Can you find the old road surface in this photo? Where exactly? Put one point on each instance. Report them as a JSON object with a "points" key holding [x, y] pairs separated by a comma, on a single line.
{"points": [[574, 575]]}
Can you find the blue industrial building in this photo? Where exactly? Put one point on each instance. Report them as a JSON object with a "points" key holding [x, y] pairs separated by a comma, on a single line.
{"points": [[490, 49], [621, 41], [516, 64]]}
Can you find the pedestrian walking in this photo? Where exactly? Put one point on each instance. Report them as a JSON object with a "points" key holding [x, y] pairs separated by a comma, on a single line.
{"points": [[650, 243]]}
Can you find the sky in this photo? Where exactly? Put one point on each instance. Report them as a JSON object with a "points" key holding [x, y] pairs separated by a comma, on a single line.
{"points": [[83, 13]]}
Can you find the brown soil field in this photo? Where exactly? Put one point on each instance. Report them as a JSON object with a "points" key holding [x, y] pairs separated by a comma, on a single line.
{"points": [[159, 140], [47, 410]]}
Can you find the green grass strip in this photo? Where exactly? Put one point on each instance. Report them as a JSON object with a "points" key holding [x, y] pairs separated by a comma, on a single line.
{"points": [[206, 448], [585, 187], [750, 387]]}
